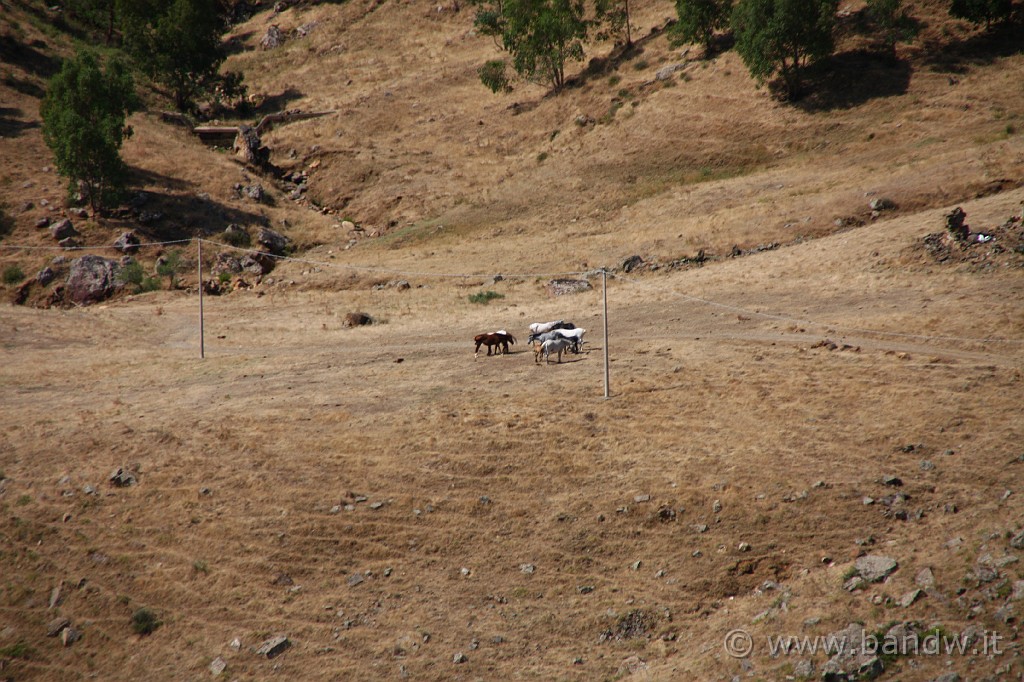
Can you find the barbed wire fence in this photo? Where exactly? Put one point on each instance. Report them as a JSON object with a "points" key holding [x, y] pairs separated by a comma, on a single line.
{"points": [[604, 274]]}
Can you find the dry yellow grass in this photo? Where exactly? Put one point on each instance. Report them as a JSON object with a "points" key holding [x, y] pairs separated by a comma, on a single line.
{"points": [[474, 469]]}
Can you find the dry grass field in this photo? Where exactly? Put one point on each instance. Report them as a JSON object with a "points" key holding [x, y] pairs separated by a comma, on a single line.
{"points": [[402, 510]]}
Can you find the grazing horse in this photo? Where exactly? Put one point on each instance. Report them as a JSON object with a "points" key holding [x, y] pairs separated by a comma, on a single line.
{"points": [[548, 347], [497, 341], [543, 327], [574, 335]]}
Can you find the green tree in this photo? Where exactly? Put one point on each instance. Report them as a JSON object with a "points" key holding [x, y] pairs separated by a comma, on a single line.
{"points": [[979, 11], [615, 15], [176, 43], [99, 13], [783, 36], [892, 22], [83, 114], [699, 19], [540, 35]]}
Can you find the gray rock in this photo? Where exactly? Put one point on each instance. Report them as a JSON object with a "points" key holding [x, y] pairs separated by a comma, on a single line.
{"points": [[273, 38], [128, 242], [927, 465], [804, 669], [665, 72], [875, 567], [69, 636], [850, 662], [716, 506], [1018, 590], [122, 478], [355, 579], [562, 287], [272, 241], [62, 229], [882, 204], [632, 263], [948, 677], [255, 192], [91, 279], [925, 578], [910, 597], [257, 263], [275, 646], [459, 658], [42, 223], [217, 666], [56, 626], [854, 584], [45, 276], [894, 481], [1017, 541]]}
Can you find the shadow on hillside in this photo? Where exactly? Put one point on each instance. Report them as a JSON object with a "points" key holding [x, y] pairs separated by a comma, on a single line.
{"points": [[184, 212], [849, 79], [236, 44], [273, 104], [980, 49], [11, 125], [27, 57]]}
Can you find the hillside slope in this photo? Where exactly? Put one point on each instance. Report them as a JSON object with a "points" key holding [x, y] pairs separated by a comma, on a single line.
{"points": [[398, 508]]}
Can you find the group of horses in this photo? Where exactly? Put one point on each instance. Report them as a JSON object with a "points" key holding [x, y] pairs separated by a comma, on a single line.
{"points": [[547, 338]]}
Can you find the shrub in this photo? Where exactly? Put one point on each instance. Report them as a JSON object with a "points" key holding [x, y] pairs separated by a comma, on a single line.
{"points": [[133, 274], [13, 274], [19, 650], [145, 622], [484, 297]]}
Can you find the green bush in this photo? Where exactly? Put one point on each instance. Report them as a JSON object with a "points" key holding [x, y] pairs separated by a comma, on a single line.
{"points": [[484, 297], [134, 274], [145, 622], [13, 274]]}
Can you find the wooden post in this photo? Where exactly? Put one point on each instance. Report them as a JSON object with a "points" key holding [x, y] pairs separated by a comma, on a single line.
{"points": [[202, 340], [604, 291]]}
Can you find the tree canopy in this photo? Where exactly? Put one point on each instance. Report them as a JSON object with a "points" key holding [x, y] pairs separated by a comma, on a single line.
{"points": [[83, 114], [699, 19]]}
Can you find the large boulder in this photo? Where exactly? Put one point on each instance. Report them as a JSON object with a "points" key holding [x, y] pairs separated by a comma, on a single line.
{"points": [[128, 242], [92, 279], [249, 146], [62, 229], [272, 241]]}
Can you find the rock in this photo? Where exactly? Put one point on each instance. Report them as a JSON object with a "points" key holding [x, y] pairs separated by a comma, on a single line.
{"points": [[272, 241], [249, 146], [122, 478], [257, 263], [562, 287], [875, 567], [716, 506], [804, 669], [69, 636], [910, 597], [217, 666], [127, 242], [55, 595], [56, 626], [459, 658], [62, 229], [632, 666], [632, 263], [42, 223], [882, 204], [527, 568], [853, 584], [274, 646], [894, 481], [927, 465], [1018, 590], [355, 579], [92, 279], [665, 72], [1017, 541], [850, 662], [744, 547], [273, 38], [255, 192], [925, 578], [236, 235], [357, 319], [45, 276], [69, 243], [79, 212]]}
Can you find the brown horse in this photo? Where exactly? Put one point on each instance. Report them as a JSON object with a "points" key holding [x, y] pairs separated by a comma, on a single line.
{"points": [[498, 340]]}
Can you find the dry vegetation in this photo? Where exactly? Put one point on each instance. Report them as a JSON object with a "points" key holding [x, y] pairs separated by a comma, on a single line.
{"points": [[302, 455]]}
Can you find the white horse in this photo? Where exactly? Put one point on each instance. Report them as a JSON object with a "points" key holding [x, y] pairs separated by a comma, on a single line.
{"points": [[574, 335], [548, 347], [543, 327]]}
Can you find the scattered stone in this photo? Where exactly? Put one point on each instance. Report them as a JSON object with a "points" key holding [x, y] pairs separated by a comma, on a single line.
{"points": [[697, 554], [716, 506], [641, 498], [950, 508], [273, 38], [927, 465], [91, 279], [925, 578], [459, 658], [249, 146], [69, 636], [744, 547], [273, 647], [218, 666], [894, 481], [354, 579], [882, 204], [42, 223], [357, 319], [527, 568], [804, 669], [585, 589], [700, 527], [632, 666], [1018, 590], [1017, 541], [948, 677], [954, 543], [283, 579], [56, 626], [562, 287], [236, 644], [55, 595], [868, 500], [122, 478], [62, 229], [636, 565], [45, 276], [272, 241], [910, 597], [853, 584], [875, 567], [666, 72], [632, 263], [128, 242], [850, 662]]}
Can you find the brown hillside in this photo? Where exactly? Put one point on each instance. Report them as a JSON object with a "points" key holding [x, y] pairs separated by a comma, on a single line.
{"points": [[402, 510]]}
